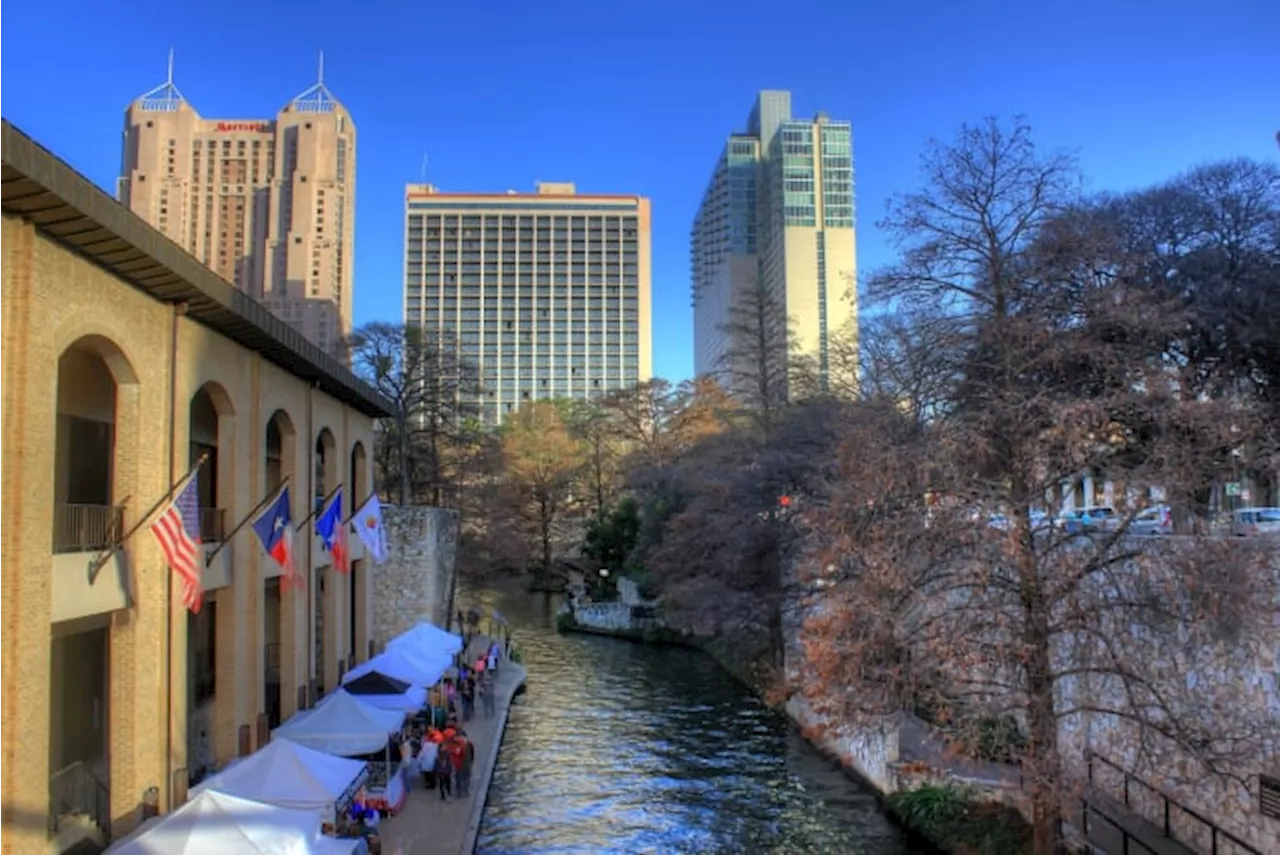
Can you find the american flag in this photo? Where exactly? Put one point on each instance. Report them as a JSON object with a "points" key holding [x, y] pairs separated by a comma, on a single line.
{"points": [[178, 531]]}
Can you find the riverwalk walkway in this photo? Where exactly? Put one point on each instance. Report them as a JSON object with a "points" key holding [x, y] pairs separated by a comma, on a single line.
{"points": [[429, 826]]}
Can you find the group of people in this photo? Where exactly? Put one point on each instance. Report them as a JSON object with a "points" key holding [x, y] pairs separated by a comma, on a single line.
{"points": [[444, 756]]}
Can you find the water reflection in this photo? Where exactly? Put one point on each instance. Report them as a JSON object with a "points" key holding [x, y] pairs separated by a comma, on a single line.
{"points": [[618, 747]]}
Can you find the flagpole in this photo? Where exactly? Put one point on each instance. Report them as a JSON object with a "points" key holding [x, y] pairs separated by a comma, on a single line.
{"points": [[97, 563], [179, 309], [355, 509], [271, 497], [322, 504]]}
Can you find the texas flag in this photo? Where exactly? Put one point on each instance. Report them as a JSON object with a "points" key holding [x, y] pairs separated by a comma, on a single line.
{"points": [[274, 527], [332, 529]]}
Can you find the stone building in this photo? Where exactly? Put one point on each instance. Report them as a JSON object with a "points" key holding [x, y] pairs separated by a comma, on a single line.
{"points": [[126, 361]]}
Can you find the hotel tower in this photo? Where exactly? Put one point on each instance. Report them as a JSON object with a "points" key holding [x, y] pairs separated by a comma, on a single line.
{"points": [[778, 213], [545, 294], [268, 204]]}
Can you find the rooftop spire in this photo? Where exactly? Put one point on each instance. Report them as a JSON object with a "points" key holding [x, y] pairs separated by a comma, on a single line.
{"points": [[317, 99], [165, 98]]}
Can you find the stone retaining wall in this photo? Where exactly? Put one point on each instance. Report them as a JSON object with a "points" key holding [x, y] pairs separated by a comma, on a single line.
{"points": [[415, 582]]}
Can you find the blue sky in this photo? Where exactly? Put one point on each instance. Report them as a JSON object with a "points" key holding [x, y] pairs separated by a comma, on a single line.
{"points": [[638, 97]]}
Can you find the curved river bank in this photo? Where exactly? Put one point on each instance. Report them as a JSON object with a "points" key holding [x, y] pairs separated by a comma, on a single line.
{"points": [[621, 748]]}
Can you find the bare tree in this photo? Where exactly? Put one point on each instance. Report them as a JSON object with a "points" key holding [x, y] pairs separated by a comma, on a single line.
{"points": [[1061, 371], [591, 425], [912, 359], [764, 367], [429, 386]]}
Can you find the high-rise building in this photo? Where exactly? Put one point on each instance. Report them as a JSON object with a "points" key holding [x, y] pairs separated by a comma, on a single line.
{"points": [[545, 294], [778, 215], [268, 204]]}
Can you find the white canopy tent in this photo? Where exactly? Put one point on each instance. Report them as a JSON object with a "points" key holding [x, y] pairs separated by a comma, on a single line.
{"points": [[427, 640], [289, 775], [342, 724], [403, 664], [215, 823]]}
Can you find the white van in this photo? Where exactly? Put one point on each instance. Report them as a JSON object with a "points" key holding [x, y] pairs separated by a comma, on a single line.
{"points": [[1255, 522]]}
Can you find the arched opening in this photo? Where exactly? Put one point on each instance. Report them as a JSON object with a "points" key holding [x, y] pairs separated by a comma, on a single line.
{"points": [[280, 453], [88, 517], [210, 432], [324, 481], [355, 596]]}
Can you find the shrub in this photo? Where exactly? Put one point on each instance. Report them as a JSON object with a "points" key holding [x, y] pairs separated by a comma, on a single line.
{"points": [[564, 622], [954, 822], [1000, 739]]}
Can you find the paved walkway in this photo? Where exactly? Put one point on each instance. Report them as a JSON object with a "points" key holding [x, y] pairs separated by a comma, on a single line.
{"points": [[429, 826]]}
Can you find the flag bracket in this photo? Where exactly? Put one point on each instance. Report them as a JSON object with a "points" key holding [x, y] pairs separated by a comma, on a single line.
{"points": [[99, 561], [271, 497], [116, 545]]}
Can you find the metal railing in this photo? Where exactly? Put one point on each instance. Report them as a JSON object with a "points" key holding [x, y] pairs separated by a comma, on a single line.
{"points": [[213, 525], [75, 790], [1171, 808], [86, 528]]}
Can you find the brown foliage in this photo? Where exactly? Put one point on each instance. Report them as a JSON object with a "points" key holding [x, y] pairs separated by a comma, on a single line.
{"points": [[1052, 355], [540, 462]]}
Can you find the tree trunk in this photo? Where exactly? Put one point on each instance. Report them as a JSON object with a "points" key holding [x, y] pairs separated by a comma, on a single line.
{"points": [[402, 452], [544, 514]]}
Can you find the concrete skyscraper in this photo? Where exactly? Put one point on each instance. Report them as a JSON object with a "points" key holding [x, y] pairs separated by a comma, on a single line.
{"points": [[778, 214], [547, 294], [268, 204]]}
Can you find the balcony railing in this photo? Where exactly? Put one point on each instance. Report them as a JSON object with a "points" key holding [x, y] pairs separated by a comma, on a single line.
{"points": [[86, 528], [213, 525], [76, 791]]}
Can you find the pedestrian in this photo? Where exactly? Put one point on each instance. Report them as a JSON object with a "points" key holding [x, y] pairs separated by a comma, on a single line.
{"points": [[468, 697], [427, 762], [487, 693], [450, 696], [494, 653], [463, 757], [444, 770]]}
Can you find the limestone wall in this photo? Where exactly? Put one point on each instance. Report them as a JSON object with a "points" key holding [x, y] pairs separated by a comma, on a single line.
{"points": [[1220, 678], [604, 615], [415, 582]]}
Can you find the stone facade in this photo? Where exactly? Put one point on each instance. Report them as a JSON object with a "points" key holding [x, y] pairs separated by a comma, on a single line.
{"points": [[77, 334], [417, 579]]}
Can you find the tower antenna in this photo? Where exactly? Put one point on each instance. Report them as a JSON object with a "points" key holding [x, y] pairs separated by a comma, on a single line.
{"points": [[424, 167], [169, 79], [320, 76]]}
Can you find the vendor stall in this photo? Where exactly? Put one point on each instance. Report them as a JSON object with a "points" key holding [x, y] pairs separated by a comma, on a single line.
{"points": [[342, 724], [427, 640], [345, 725], [215, 823], [402, 665], [388, 693], [289, 775]]}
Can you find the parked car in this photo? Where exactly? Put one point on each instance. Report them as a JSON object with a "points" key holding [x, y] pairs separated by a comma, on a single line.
{"points": [[1084, 520], [1256, 522], [1157, 519]]}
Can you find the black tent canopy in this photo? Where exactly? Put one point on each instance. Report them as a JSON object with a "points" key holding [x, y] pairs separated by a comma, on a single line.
{"points": [[376, 683]]}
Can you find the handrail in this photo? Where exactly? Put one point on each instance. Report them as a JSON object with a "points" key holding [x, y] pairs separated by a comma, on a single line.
{"points": [[75, 789], [1215, 831], [1127, 840]]}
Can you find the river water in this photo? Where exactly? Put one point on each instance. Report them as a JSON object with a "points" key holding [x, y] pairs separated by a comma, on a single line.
{"points": [[618, 747]]}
